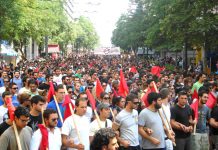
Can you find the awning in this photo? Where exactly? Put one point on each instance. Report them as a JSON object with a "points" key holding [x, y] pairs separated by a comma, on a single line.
{"points": [[7, 50]]}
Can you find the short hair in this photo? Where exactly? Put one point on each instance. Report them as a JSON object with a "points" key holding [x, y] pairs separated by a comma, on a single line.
{"points": [[32, 81], [153, 97], [36, 99], [131, 97], [48, 112], [11, 84], [21, 111], [6, 93], [79, 100], [182, 93], [23, 97], [48, 76], [24, 79], [81, 93], [60, 86], [116, 100], [63, 78], [102, 138], [202, 92], [102, 94], [69, 87], [164, 93]]}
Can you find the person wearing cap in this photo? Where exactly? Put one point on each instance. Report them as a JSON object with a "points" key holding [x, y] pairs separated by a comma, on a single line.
{"points": [[127, 122], [104, 113]]}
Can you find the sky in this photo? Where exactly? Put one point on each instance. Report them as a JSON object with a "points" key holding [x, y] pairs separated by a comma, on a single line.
{"points": [[104, 15]]}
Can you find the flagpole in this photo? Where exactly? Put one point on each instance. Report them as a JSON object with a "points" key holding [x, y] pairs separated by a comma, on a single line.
{"points": [[166, 118], [162, 119], [58, 109], [17, 136], [112, 113], [195, 126], [74, 122], [97, 117]]}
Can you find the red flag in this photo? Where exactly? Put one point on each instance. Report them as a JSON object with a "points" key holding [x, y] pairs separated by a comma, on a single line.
{"points": [[155, 70], [44, 140], [99, 89], [133, 69], [51, 91], [10, 107], [194, 106], [145, 96], [211, 102], [66, 103], [91, 99], [195, 94], [123, 88]]}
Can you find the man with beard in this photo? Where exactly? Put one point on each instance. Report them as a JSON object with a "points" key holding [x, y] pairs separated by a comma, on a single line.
{"points": [[127, 122], [54, 133], [201, 128], [150, 118], [17, 80], [181, 122]]}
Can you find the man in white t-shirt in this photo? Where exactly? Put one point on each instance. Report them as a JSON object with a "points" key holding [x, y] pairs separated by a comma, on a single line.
{"points": [[57, 76], [3, 108], [70, 137], [104, 113]]}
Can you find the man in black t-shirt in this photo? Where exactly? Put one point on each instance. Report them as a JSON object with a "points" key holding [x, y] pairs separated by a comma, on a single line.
{"points": [[181, 120], [37, 103], [214, 125]]}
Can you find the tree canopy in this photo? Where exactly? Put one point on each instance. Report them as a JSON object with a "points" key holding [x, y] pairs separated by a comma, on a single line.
{"points": [[169, 25], [21, 20]]}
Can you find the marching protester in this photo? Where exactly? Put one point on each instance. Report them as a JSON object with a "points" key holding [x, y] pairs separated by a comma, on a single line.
{"points": [[8, 138], [202, 129], [127, 123], [37, 105], [48, 133], [74, 135], [181, 122], [104, 113]]}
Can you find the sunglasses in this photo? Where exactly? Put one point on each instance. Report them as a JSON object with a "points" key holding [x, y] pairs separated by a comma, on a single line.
{"points": [[106, 98], [6, 81], [15, 88], [70, 92], [136, 103], [54, 119]]}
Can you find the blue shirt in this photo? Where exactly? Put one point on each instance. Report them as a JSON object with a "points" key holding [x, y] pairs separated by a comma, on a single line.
{"points": [[203, 117], [41, 79], [15, 101], [18, 82], [52, 105], [1, 82]]}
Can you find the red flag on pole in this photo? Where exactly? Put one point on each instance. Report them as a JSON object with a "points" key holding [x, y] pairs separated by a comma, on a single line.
{"points": [[10, 107], [195, 94], [51, 91], [194, 106], [145, 97], [211, 102], [133, 69], [156, 70], [67, 102], [91, 99], [123, 88], [44, 141], [99, 89]]}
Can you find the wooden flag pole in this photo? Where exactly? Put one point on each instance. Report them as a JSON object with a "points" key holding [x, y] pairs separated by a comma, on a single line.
{"points": [[174, 144], [43, 121], [17, 136], [98, 119], [112, 113], [195, 127], [58, 109], [74, 122], [166, 118]]}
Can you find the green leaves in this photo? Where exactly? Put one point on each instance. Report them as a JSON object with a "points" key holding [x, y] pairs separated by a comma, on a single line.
{"points": [[167, 24]]}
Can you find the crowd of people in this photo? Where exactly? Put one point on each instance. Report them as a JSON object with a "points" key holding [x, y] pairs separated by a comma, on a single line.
{"points": [[155, 113]]}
